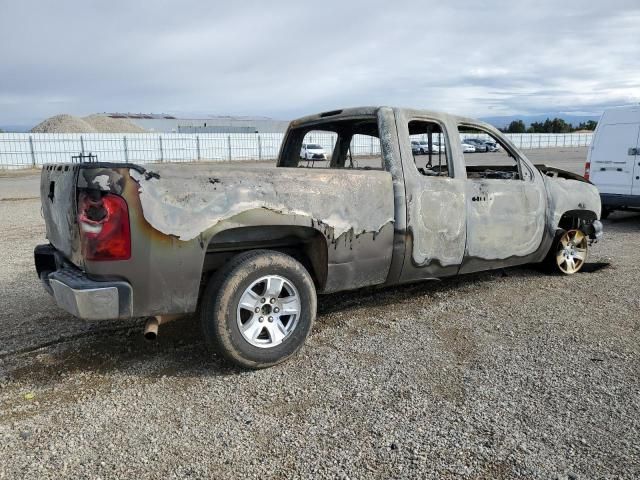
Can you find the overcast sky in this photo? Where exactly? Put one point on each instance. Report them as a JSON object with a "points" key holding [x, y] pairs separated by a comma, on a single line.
{"points": [[288, 58]]}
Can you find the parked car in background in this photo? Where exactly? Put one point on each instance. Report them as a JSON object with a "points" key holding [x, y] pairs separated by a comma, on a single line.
{"points": [[478, 144], [468, 148], [421, 147], [435, 147], [613, 161], [492, 146], [312, 151]]}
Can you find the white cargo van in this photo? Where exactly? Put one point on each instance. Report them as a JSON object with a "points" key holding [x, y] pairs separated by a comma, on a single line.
{"points": [[613, 161]]}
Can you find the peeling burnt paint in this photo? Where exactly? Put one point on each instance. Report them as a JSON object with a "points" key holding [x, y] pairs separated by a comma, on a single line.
{"points": [[57, 193], [439, 228], [185, 202], [104, 179], [504, 218]]}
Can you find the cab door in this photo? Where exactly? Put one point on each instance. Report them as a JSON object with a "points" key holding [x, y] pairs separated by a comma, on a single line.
{"points": [[505, 205], [435, 198]]}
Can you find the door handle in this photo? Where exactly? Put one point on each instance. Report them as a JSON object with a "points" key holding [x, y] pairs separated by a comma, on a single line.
{"points": [[634, 151]]}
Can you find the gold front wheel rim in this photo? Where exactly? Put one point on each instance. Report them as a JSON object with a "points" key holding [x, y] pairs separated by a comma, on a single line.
{"points": [[572, 251]]}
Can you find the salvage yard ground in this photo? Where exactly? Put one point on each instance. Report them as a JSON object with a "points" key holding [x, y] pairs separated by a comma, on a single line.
{"points": [[495, 375]]}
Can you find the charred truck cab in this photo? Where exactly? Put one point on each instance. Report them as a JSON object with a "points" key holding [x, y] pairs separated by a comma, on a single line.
{"points": [[253, 247]]}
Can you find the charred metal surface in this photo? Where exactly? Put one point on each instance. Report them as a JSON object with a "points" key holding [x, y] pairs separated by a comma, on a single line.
{"points": [[57, 193], [164, 272], [164, 263], [554, 172], [504, 218], [390, 154], [351, 228], [352, 210], [183, 202], [566, 195], [435, 206], [105, 179]]}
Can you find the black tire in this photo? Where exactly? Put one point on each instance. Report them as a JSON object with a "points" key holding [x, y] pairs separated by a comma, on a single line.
{"points": [[219, 307], [604, 214]]}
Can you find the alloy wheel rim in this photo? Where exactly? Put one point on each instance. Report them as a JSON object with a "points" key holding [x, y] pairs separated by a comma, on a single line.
{"points": [[572, 251], [268, 311]]}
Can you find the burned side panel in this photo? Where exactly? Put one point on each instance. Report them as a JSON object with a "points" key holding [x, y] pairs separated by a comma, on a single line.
{"points": [[163, 271], [567, 195], [359, 261], [176, 210], [436, 225], [506, 218], [186, 202], [439, 226]]}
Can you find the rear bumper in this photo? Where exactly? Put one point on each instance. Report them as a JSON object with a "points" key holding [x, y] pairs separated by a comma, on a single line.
{"points": [[78, 294], [612, 200]]}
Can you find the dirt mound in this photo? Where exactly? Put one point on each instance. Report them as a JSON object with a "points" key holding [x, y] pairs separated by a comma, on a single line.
{"points": [[104, 124], [63, 124], [91, 124]]}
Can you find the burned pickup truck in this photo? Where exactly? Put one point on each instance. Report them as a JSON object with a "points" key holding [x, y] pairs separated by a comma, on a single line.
{"points": [[250, 247]]}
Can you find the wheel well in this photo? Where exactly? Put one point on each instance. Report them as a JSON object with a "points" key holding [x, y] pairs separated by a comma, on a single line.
{"points": [[305, 244], [576, 219]]}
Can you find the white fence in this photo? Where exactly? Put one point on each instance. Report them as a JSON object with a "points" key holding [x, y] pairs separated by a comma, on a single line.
{"points": [[25, 150]]}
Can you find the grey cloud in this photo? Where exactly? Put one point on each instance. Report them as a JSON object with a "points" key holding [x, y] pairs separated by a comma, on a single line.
{"points": [[289, 58]]}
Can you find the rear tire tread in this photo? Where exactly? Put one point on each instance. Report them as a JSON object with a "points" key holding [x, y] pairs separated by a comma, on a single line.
{"points": [[217, 298]]}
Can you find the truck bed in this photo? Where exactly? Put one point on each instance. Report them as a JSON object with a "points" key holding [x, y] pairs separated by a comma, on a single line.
{"points": [[181, 213]]}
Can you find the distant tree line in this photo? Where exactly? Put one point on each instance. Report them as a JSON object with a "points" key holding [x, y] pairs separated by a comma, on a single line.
{"points": [[557, 125]]}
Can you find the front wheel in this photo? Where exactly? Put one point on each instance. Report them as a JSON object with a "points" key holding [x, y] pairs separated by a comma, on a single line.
{"points": [[259, 308], [569, 252]]}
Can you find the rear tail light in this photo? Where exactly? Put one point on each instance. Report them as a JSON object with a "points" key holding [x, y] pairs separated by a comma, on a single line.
{"points": [[104, 227], [587, 170]]}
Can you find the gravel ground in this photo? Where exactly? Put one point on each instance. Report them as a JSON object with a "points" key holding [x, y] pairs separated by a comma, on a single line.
{"points": [[496, 375]]}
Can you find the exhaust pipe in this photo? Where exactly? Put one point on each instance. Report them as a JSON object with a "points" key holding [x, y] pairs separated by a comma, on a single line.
{"points": [[151, 328]]}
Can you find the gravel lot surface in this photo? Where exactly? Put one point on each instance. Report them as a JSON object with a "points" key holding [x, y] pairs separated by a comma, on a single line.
{"points": [[496, 375]]}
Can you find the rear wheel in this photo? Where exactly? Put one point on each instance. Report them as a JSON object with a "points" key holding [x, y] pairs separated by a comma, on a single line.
{"points": [[569, 252], [259, 308]]}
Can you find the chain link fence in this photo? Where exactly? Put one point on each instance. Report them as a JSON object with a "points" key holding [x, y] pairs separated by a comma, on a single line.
{"points": [[28, 150]]}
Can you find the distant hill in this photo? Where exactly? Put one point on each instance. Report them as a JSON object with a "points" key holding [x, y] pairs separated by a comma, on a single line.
{"points": [[502, 122], [92, 124]]}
